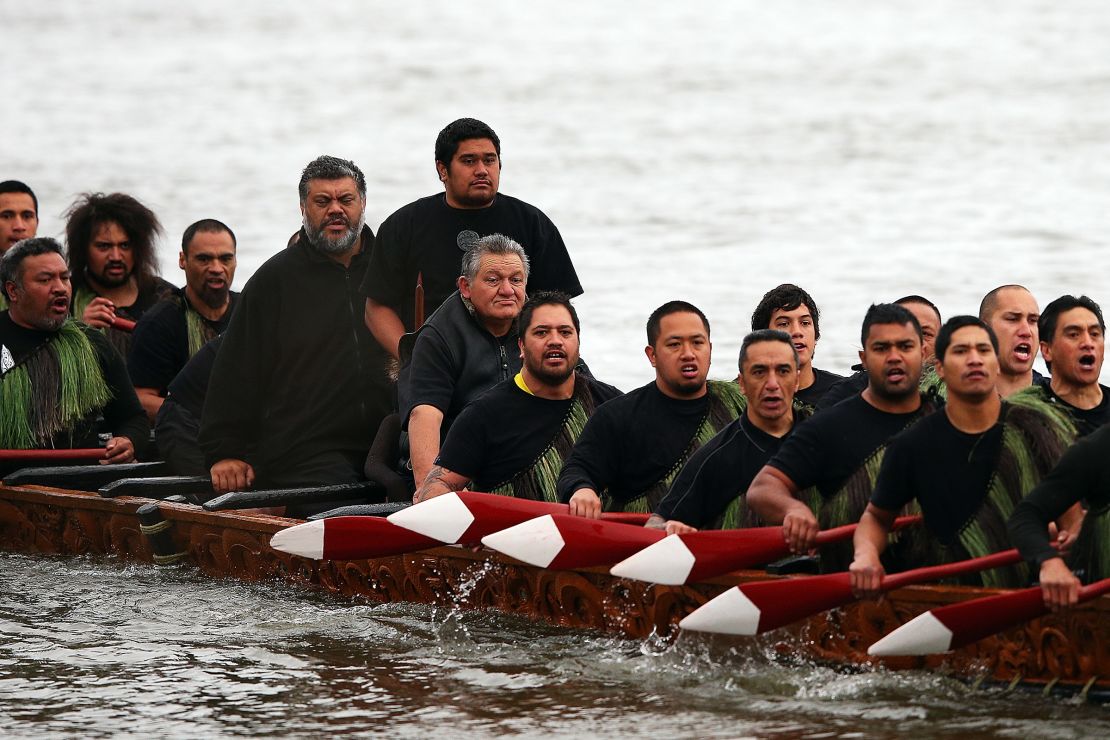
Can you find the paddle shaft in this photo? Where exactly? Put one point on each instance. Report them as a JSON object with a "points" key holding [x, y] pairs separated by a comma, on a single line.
{"points": [[80, 453], [123, 324], [973, 620]]}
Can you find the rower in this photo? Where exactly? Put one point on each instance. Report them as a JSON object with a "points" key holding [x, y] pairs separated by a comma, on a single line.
{"points": [[58, 376], [113, 262], [19, 214], [634, 446], [19, 218], [177, 425], [1082, 475], [928, 316], [424, 241], [465, 348], [709, 492], [299, 384], [790, 309], [1011, 312], [175, 329], [512, 439], [833, 457], [966, 466], [1073, 336]]}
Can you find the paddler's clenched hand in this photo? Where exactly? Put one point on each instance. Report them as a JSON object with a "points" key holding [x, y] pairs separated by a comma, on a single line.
{"points": [[866, 573], [799, 528], [118, 450], [231, 475], [585, 502]]}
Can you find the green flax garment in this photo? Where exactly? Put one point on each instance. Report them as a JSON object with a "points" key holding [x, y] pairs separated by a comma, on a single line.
{"points": [[49, 390]]}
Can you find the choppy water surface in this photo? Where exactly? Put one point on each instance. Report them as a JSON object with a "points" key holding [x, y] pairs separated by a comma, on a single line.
{"points": [[95, 648]]}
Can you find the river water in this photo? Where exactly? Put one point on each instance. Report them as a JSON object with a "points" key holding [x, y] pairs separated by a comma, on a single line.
{"points": [[700, 150]]}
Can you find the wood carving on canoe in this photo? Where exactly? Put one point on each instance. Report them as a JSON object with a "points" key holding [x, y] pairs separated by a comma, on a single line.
{"points": [[1070, 648]]}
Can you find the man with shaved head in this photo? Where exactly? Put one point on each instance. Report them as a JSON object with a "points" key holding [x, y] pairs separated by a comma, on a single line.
{"points": [[1012, 313]]}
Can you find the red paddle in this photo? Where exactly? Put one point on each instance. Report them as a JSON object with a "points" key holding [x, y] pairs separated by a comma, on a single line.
{"points": [[754, 608], [80, 453]]}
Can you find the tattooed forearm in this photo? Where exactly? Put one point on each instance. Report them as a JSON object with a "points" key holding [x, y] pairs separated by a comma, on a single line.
{"points": [[439, 481]]}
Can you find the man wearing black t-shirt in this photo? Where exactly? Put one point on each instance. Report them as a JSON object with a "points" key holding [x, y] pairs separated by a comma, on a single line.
{"points": [[928, 315], [1073, 341], [790, 309], [710, 489], [513, 439], [634, 446], [423, 242], [176, 328], [967, 465], [838, 452]]}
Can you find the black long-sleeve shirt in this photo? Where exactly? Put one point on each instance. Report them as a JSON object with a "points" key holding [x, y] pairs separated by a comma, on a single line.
{"points": [[298, 373]]}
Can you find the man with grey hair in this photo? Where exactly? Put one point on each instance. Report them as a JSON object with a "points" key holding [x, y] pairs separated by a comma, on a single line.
{"points": [[299, 383], [466, 347], [58, 376]]}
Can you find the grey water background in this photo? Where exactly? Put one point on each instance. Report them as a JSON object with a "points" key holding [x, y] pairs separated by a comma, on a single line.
{"points": [[698, 150]]}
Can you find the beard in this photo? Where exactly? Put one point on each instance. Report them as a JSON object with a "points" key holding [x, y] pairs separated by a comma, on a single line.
{"points": [[214, 297], [550, 377], [334, 245], [110, 281]]}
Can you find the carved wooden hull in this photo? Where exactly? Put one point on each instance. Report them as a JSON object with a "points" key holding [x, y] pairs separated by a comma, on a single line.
{"points": [[1067, 651]]}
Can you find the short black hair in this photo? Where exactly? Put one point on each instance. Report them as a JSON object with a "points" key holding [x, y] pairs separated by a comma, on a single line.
{"points": [[922, 301], [15, 186], [206, 226], [887, 313], [766, 335], [456, 132], [785, 297], [546, 298], [667, 309], [1050, 316], [12, 260], [954, 324], [327, 167]]}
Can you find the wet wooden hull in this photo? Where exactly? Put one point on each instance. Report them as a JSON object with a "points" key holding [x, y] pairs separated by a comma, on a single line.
{"points": [[1068, 651]]}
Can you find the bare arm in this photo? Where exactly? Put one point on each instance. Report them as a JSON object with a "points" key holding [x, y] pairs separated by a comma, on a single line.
{"points": [[439, 481], [384, 323], [866, 570], [150, 401], [424, 424], [771, 496]]}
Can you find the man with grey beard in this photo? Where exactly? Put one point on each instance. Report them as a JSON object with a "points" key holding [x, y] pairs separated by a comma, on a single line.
{"points": [[58, 376], [299, 383]]}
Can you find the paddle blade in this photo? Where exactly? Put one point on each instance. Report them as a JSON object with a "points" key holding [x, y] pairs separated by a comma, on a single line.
{"points": [[700, 555], [349, 538], [768, 605], [564, 541], [468, 516]]}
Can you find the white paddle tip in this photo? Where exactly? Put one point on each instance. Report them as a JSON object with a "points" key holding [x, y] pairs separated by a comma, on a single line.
{"points": [[668, 561], [445, 518], [305, 540], [731, 613], [536, 541], [922, 635]]}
